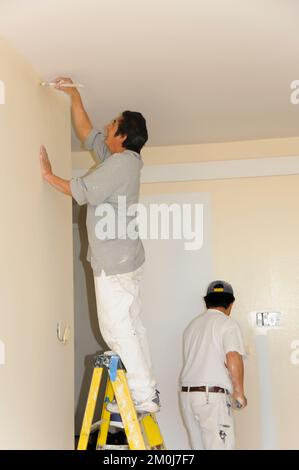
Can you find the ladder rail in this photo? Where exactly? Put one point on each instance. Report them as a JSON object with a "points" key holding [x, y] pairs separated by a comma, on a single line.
{"points": [[105, 418], [90, 408], [152, 432], [127, 412]]}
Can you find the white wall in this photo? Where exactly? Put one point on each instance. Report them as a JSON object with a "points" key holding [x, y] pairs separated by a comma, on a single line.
{"points": [[171, 297], [255, 233]]}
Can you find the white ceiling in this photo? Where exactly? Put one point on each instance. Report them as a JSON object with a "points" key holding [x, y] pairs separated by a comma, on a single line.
{"points": [[199, 70]]}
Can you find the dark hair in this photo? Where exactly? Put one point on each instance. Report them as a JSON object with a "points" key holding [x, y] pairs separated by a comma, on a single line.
{"points": [[217, 299], [133, 125]]}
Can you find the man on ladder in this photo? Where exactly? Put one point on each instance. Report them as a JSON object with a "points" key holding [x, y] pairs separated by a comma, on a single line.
{"points": [[117, 260]]}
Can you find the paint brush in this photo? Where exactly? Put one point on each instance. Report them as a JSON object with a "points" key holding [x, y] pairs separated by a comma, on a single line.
{"points": [[68, 85]]}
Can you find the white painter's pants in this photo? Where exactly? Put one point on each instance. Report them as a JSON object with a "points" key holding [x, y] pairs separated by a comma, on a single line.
{"points": [[119, 308], [208, 419]]}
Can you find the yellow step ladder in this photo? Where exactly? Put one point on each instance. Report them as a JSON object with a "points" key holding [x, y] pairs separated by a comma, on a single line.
{"points": [[142, 431]]}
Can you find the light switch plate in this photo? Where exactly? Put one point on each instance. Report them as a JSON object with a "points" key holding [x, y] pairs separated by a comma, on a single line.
{"points": [[265, 320]]}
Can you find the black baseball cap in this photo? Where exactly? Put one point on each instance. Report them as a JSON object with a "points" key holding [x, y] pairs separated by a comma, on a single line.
{"points": [[220, 287]]}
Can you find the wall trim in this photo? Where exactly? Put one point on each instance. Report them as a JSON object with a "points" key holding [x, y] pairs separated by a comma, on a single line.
{"points": [[248, 168]]}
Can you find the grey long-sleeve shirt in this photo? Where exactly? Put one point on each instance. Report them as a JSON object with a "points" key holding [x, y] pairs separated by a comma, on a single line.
{"points": [[111, 188]]}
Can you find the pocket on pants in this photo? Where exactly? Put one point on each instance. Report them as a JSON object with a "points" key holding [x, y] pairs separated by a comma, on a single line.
{"points": [[225, 423]]}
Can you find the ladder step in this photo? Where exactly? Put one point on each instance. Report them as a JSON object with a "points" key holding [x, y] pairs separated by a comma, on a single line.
{"points": [[115, 447]]}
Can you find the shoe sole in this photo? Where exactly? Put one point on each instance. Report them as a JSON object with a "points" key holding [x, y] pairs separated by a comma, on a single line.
{"points": [[148, 410]]}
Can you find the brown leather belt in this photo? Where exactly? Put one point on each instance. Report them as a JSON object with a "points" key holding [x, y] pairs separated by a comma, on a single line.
{"points": [[203, 389]]}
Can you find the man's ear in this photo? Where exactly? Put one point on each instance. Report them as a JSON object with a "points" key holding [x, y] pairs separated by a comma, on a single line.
{"points": [[122, 138]]}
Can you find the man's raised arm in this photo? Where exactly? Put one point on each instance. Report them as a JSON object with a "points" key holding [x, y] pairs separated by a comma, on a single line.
{"points": [[80, 117]]}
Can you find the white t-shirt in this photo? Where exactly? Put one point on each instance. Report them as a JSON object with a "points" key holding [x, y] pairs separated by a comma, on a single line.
{"points": [[207, 340]]}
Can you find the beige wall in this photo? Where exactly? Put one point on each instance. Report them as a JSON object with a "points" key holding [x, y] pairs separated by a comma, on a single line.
{"points": [[206, 152], [36, 275], [255, 246], [255, 237]]}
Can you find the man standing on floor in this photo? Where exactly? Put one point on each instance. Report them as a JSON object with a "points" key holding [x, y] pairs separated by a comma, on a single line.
{"points": [[213, 372], [117, 258]]}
